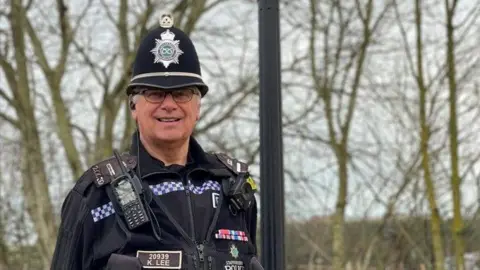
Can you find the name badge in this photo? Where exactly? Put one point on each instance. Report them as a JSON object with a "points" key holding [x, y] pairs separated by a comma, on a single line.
{"points": [[160, 259]]}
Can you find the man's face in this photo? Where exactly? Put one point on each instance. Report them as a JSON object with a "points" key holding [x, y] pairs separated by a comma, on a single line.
{"points": [[167, 117]]}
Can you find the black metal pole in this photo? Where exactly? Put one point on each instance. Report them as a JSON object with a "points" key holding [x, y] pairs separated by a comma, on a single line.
{"points": [[271, 143]]}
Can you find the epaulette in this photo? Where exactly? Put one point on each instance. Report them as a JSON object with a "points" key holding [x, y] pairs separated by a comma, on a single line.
{"points": [[237, 167], [234, 165], [109, 169]]}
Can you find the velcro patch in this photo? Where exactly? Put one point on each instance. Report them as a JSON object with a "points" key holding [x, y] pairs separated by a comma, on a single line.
{"points": [[160, 259]]}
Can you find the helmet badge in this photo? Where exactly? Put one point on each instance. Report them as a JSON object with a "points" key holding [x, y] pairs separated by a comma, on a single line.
{"points": [[166, 50], [166, 21]]}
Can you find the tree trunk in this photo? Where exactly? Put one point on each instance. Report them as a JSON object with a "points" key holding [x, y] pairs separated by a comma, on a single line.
{"points": [[436, 222], [35, 184], [457, 224], [339, 218]]}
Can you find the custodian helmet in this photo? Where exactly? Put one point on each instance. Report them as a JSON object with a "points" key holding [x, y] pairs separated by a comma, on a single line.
{"points": [[166, 59]]}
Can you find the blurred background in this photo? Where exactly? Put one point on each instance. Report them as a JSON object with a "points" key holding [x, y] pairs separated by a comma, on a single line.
{"points": [[380, 106]]}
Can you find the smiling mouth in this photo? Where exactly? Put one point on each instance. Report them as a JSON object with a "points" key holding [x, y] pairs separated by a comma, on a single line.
{"points": [[168, 120]]}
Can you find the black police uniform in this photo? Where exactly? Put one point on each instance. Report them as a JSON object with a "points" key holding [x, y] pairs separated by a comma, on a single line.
{"points": [[196, 213], [193, 222]]}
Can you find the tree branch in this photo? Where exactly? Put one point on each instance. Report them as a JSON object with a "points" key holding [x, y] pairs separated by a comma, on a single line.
{"points": [[10, 120], [38, 49]]}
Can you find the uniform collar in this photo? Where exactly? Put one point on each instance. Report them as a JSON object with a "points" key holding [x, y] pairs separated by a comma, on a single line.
{"points": [[148, 164]]}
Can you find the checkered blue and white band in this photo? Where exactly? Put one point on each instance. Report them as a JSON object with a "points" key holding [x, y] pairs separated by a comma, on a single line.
{"points": [[107, 209]]}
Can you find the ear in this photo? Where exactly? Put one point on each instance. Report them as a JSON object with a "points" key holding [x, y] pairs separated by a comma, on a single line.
{"points": [[133, 111], [134, 114]]}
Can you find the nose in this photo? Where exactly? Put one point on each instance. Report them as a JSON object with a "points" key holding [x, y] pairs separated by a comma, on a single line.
{"points": [[168, 103]]}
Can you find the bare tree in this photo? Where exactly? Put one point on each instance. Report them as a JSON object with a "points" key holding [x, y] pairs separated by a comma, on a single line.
{"points": [[425, 135], [334, 75], [425, 130], [34, 177], [458, 227]]}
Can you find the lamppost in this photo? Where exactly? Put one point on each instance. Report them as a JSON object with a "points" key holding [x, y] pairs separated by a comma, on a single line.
{"points": [[271, 145]]}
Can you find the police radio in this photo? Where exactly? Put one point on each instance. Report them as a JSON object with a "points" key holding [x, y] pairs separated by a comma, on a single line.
{"points": [[241, 191], [127, 190]]}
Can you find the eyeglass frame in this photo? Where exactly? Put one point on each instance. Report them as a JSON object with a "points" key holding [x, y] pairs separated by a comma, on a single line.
{"points": [[141, 91]]}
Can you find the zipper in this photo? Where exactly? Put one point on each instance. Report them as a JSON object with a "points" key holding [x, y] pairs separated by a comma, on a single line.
{"points": [[192, 231], [210, 262], [201, 256], [190, 211], [200, 246]]}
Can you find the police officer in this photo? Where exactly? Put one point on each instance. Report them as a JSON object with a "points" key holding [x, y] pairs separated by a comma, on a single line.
{"points": [[166, 204]]}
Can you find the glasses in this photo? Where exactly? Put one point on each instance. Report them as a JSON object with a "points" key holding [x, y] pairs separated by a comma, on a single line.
{"points": [[158, 96]]}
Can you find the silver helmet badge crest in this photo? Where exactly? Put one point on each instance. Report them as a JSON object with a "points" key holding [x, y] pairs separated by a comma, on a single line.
{"points": [[166, 50]]}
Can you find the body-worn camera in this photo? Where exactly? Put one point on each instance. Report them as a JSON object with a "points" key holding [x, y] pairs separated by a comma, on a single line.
{"points": [[241, 191], [127, 190]]}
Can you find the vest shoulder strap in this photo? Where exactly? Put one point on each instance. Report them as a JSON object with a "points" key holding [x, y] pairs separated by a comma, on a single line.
{"points": [[234, 165], [107, 170]]}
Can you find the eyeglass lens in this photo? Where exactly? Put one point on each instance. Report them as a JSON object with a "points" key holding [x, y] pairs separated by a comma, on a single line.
{"points": [[180, 95]]}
